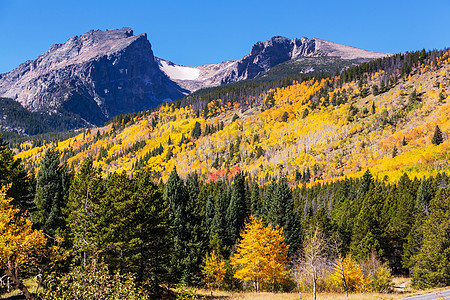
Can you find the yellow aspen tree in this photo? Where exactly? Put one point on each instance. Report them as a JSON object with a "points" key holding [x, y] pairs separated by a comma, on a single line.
{"points": [[19, 243], [276, 249], [260, 254], [214, 270], [348, 273]]}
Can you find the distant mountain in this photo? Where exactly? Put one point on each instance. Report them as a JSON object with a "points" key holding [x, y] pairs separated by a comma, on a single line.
{"points": [[298, 55], [101, 74], [94, 76]]}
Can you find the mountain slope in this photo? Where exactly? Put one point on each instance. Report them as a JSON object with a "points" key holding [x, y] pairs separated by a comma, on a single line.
{"points": [[96, 76], [328, 129], [266, 55]]}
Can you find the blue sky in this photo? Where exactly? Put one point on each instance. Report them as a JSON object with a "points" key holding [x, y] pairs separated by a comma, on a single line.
{"points": [[199, 32]]}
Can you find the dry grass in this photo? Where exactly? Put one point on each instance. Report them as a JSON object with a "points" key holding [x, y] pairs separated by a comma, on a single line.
{"points": [[30, 283], [320, 296], [296, 296]]}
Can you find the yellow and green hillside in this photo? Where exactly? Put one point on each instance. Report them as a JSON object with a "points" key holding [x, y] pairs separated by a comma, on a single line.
{"points": [[290, 133]]}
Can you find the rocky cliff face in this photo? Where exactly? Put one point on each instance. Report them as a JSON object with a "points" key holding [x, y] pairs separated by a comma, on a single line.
{"points": [[265, 55], [96, 76]]}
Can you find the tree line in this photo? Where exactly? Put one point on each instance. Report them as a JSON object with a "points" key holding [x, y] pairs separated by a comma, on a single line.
{"points": [[145, 234]]}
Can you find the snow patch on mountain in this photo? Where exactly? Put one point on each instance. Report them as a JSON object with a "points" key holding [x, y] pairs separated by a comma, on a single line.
{"points": [[177, 72]]}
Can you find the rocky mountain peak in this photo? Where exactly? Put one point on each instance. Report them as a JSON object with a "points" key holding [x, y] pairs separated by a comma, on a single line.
{"points": [[96, 75]]}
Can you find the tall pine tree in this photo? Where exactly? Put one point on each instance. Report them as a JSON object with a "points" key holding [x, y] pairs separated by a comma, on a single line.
{"points": [[52, 191], [237, 210], [85, 194]]}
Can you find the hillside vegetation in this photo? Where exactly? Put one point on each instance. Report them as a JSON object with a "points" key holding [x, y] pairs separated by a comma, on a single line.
{"points": [[330, 128]]}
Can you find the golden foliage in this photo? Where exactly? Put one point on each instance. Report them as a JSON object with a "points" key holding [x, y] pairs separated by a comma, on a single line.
{"points": [[348, 275], [214, 270], [18, 240], [260, 255]]}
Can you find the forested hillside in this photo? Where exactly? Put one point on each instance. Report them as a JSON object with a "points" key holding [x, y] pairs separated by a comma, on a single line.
{"points": [[330, 184], [381, 115]]}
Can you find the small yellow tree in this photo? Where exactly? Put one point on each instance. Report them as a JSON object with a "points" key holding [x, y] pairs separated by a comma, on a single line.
{"points": [[214, 269], [19, 243], [260, 254], [348, 274]]}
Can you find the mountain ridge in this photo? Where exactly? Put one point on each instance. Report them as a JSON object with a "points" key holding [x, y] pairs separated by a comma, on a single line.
{"points": [[97, 75], [262, 57]]}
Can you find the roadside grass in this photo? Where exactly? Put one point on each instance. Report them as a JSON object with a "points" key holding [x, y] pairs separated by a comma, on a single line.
{"points": [[32, 286], [401, 289]]}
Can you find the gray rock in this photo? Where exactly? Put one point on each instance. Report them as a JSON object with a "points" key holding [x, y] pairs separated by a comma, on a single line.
{"points": [[265, 55], [96, 76]]}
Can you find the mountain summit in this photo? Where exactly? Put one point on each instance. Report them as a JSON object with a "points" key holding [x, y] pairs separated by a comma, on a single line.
{"points": [[262, 57], [94, 76]]}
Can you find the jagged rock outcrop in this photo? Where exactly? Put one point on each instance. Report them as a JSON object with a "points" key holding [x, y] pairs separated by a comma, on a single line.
{"points": [[95, 76], [262, 57]]}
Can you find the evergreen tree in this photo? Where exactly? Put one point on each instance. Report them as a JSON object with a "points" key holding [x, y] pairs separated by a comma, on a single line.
{"points": [[237, 210], [149, 231], [306, 175], [176, 198], [85, 193], [52, 189], [401, 206], [424, 196], [196, 225], [369, 223], [12, 172], [219, 223], [432, 263], [280, 211], [437, 136], [209, 215], [394, 151], [365, 184], [196, 131], [114, 220], [255, 201], [375, 90], [413, 97]]}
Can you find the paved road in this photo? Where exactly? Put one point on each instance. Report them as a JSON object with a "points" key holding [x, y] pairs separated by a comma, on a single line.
{"points": [[438, 295]]}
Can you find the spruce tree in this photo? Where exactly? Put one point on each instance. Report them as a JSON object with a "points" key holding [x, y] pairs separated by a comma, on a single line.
{"points": [[369, 224], [424, 196], [176, 198], [432, 263], [219, 222], [280, 211], [196, 131], [237, 210], [196, 227], [149, 230], [12, 172], [437, 136], [394, 151], [52, 189], [209, 215], [365, 184], [255, 200], [402, 212], [404, 143], [85, 194]]}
